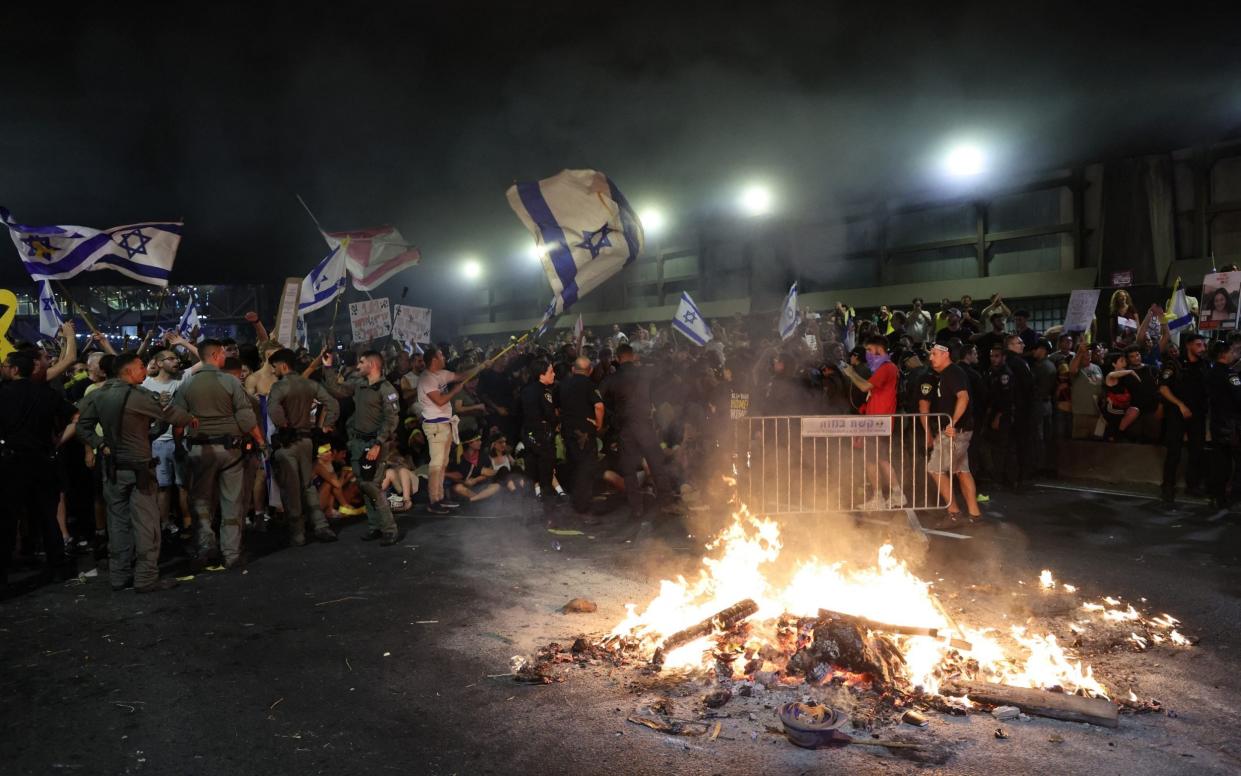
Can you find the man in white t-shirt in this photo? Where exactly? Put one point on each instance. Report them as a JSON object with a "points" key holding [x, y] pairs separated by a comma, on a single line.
{"points": [[435, 407], [408, 384], [168, 470]]}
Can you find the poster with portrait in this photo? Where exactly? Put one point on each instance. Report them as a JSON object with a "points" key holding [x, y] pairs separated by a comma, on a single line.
{"points": [[1218, 309]]}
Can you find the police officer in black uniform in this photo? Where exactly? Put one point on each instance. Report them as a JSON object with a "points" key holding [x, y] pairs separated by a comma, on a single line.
{"points": [[627, 394], [1021, 443], [32, 415], [538, 430], [581, 420], [1183, 388], [1224, 400], [997, 421]]}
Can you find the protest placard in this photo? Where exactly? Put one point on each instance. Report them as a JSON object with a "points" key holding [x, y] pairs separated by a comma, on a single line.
{"points": [[411, 324], [370, 320], [1082, 304], [1218, 309]]}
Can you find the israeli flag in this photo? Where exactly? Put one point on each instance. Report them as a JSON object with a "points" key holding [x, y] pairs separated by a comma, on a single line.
{"points": [[584, 227], [189, 319], [50, 319], [144, 252], [325, 281], [789, 317], [689, 321]]}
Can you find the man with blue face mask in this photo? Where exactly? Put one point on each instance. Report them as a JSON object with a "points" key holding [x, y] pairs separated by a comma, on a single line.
{"points": [[881, 400]]}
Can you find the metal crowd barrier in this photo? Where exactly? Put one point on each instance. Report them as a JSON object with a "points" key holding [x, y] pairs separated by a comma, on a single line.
{"points": [[790, 465]]}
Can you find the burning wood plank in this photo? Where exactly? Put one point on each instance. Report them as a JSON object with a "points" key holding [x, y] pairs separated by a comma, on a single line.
{"points": [[1040, 703], [722, 620], [907, 630]]}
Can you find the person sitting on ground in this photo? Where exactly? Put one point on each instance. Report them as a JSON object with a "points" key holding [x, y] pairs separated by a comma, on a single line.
{"points": [[472, 479], [339, 495], [399, 474]]}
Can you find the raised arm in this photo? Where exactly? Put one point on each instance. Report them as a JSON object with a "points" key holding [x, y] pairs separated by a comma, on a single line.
{"points": [[68, 354]]}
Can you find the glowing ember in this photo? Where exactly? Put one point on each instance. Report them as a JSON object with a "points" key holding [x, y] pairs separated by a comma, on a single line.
{"points": [[1178, 639], [1046, 581], [1069, 588], [1133, 697], [1141, 642]]}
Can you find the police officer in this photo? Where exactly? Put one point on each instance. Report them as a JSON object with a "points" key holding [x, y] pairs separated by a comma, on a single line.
{"points": [[581, 420], [1182, 386], [376, 412], [289, 407], [997, 420], [32, 415], [125, 412], [1224, 400], [225, 419], [1021, 443], [538, 431], [627, 394]]}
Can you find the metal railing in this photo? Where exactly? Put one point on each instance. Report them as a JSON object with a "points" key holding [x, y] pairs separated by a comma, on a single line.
{"points": [[840, 463]]}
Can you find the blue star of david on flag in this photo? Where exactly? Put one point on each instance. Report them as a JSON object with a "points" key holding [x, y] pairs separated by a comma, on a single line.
{"points": [[689, 316], [597, 240], [126, 241]]}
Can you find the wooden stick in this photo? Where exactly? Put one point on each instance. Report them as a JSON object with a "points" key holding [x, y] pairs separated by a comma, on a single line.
{"points": [[908, 630], [721, 620], [1040, 703]]}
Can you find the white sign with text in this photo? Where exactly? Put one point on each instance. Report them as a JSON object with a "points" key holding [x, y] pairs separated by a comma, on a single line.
{"points": [[370, 320], [411, 324]]}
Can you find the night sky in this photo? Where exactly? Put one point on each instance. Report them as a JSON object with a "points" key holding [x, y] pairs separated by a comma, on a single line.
{"points": [[420, 116]]}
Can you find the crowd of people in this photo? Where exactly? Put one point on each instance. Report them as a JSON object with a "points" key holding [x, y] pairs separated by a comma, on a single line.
{"points": [[186, 444]]}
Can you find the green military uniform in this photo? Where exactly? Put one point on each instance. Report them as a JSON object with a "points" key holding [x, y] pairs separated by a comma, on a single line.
{"points": [[376, 412], [289, 408], [124, 413], [225, 418]]}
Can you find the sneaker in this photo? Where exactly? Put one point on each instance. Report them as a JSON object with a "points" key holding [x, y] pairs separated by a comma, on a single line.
{"points": [[372, 535], [897, 497], [395, 501], [388, 541], [167, 583], [450, 504], [325, 535], [438, 509]]}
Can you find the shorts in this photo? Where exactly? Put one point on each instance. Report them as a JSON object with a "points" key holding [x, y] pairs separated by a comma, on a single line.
{"points": [[439, 440], [167, 469], [939, 462]]}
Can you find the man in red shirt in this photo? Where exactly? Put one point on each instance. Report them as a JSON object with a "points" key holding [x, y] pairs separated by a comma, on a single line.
{"points": [[881, 400]]}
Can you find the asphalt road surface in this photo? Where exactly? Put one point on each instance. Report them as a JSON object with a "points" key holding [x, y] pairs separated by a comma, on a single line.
{"points": [[349, 658]]}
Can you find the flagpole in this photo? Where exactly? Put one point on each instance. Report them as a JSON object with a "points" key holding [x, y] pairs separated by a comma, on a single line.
{"points": [[307, 208], [84, 312]]}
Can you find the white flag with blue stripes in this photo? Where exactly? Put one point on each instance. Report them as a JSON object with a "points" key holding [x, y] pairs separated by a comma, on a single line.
{"points": [[144, 252], [789, 317], [585, 230], [189, 319], [50, 319], [689, 321], [325, 281]]}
